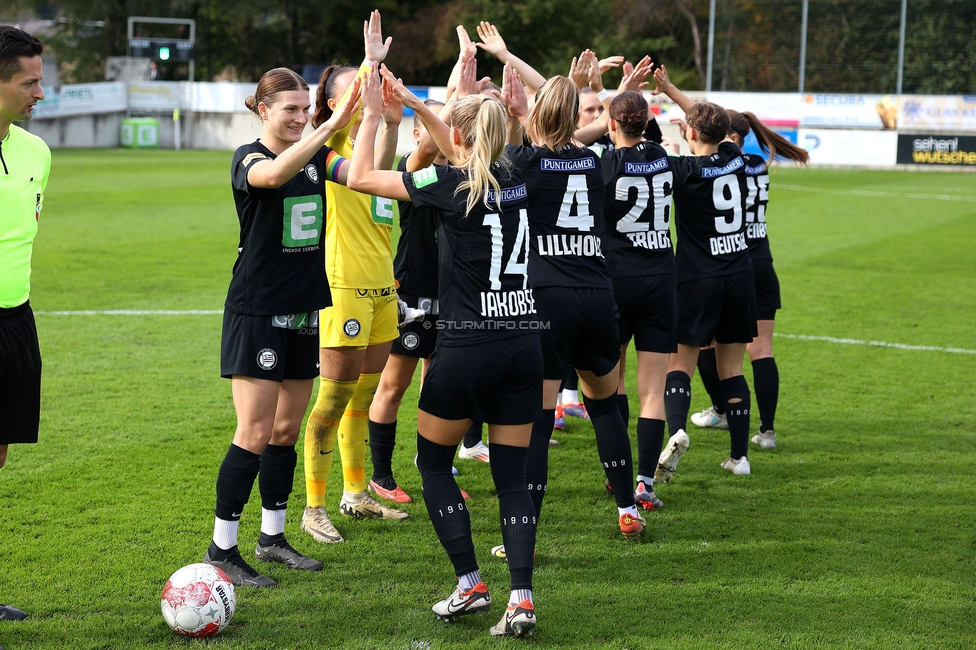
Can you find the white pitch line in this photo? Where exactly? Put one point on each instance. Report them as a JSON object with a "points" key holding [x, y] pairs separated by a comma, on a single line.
{"points": [[900, 195], [135, 312], [214, 312], [877, 344]]}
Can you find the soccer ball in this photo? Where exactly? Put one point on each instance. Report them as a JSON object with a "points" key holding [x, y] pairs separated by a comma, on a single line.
{"points": [[198, 600]]}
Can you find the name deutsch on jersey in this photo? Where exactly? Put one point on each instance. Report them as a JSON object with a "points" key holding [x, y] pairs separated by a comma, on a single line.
{"points": [[499, 304], [728, 243], [579, 245]]}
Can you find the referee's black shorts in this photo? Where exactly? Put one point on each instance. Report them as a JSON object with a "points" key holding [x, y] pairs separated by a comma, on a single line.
{"points": [[648, 307], [767, 289], [579, 329], [270, 347], [499, 382], [20, 376], [722, 308]]}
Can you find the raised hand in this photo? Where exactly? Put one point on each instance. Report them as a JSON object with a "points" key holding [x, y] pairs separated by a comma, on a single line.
{"points": [[465, 46], [635, 80], [491, 41], [372, 91], [396, 86], [376, 48], [579, 69], [610, 62], [513, 94], [345, 110], [468, 78], [392, 112], [662, 81]]}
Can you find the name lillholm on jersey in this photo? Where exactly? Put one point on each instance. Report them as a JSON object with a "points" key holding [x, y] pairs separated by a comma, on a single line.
{"points": [[579, 245]]}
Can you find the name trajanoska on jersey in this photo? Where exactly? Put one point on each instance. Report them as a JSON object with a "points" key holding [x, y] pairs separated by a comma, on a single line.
{"points": [[506, 304]]}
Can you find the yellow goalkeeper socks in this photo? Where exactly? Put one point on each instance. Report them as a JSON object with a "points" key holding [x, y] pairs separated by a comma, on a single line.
{"points": [[320, 435], [354, 433]]}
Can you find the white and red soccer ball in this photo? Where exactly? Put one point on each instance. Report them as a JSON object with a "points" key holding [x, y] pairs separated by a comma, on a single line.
{"points": [[198, 600]]}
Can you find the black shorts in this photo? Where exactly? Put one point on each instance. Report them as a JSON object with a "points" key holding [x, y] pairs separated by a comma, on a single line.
{"points": [[579, 328], [417, 339], [270, 347], [498, 382], [20, 376], [648, 307], [767, 289], [721, 308]]}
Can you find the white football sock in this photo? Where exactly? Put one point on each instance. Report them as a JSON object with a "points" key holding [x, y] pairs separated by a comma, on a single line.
{"points": [[225, 533], [273, 521], [469, 580], [518, 595], [569, 397], [632, 510]]}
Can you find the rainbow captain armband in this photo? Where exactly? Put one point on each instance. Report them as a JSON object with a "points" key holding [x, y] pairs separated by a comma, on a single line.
{"points": [[333, 162]]}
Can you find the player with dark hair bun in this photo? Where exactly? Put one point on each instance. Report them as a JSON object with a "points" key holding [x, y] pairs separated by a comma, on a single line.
{"points": [[760, 350], [488, 362], [269, 340], [639, 182], [716, 288]]}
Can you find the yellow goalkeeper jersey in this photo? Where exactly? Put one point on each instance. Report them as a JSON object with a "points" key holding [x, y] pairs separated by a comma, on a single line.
{"points": [[358, 227]]}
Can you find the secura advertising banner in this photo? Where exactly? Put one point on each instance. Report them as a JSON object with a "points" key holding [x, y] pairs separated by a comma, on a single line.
{"points": [[850, 111], [936, 150]]}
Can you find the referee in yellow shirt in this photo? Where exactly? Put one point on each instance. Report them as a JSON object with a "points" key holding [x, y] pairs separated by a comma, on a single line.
{"points": [[26, 164], [358, 330]]}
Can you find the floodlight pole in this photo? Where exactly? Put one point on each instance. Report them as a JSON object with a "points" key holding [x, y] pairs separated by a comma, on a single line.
{"points": [[803, 44], [711, 45], [901, 45]]}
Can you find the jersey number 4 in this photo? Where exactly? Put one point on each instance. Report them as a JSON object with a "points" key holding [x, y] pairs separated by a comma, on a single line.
{"points": [[659, 186], [519, 249], [576, 196]]}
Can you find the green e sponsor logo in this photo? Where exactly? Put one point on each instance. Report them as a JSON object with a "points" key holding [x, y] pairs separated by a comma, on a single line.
{"points": [[382, 209], [424, 177], [302, 221]]}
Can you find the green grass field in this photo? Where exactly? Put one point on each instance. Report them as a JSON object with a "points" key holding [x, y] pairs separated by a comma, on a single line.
{"points": [[859, 531]]}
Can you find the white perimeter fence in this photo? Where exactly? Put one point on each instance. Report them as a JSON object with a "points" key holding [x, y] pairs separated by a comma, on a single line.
{"points": [[837, 129]]}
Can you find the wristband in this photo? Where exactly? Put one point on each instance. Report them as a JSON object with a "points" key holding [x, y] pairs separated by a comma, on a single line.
{"points": [[367, 62], [603, 95]]}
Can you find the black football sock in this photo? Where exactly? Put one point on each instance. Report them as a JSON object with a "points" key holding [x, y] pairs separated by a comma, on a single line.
{"points": [[650, 439], [571, 380], [234, 482], [736, 388], [382, 442], [766, 379], [275, 480], [537, 459], [516, 511], [473, 435], [677, 400], [613, 445], [708, 371], [445, 505], [624, 404]]}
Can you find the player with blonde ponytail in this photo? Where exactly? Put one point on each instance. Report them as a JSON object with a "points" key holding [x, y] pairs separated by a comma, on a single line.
{"points": [[487, 365]]}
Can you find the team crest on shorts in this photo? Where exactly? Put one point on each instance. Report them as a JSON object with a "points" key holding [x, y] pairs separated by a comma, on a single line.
{"points": [[352, 328], [267, 359], [410, 341], [312, 172]]}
